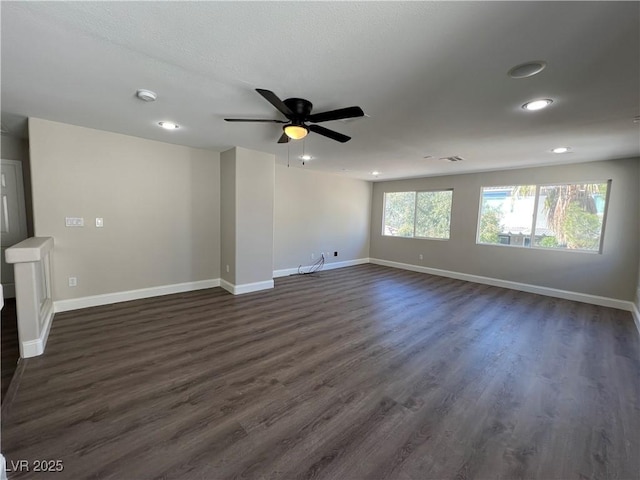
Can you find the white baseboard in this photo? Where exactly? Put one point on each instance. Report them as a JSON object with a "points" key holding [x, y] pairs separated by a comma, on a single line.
{"points": [[116, 297], [327, 266], [523, 287], [246, 287], [33, 348], [636, 316]]}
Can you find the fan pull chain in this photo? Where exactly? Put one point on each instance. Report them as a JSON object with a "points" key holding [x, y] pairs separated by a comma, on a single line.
{"points": [[303, 141], [288, 149]]}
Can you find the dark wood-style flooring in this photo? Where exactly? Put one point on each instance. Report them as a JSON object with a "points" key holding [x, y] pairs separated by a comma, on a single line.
{"points": [[365, 372], [10, 352]]}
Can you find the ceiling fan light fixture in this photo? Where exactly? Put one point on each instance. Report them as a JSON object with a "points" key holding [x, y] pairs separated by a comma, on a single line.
{"points": [[296, 132]]}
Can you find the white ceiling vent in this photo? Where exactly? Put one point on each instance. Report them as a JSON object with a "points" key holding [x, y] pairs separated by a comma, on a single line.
{"points": [[454, 158]]}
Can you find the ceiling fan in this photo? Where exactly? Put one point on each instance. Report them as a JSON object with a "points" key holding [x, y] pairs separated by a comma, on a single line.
{"points": [[298, 113]]}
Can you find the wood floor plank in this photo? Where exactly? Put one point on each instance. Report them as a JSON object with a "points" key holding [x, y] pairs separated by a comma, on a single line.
{"points": [[365, 372], [10, 347]]}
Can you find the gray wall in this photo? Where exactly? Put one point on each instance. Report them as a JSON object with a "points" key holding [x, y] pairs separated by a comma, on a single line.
{"points": [[160, 204], [228, 216], [247, 183], [254, 216], [13, 148], [637, 299], [614, 273], [318, 212]]}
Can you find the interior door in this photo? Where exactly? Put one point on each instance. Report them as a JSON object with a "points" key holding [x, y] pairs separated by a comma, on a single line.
{"points": [[13, 217]]}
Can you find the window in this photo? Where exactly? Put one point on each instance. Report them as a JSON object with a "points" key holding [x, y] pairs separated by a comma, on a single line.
{"points": [[418, 214], [433, 214], [506, 213], [561, 216], [399, 214]]}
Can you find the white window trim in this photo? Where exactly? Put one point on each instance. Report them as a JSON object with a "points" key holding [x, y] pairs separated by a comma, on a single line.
{"points": [[415, 213], [534, 218]]}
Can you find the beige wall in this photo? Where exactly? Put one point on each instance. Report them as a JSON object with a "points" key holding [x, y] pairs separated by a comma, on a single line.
{"points": [[160, 204], [318, 212], [614, 273]]}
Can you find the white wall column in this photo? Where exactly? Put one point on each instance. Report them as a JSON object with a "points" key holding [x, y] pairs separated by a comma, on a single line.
{"points": [[246, 196]]}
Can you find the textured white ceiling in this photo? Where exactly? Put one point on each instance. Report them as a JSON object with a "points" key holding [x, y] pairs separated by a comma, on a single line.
{"points": [[431, 76]]}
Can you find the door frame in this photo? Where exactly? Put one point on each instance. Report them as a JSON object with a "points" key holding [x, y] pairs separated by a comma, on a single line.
{"points": [[9, 290]]}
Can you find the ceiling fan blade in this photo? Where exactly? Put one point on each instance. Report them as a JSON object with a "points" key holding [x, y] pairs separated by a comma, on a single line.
{"points": [[349, 112], [253, 120], [283, 138], [329, 133], [273, 99]]}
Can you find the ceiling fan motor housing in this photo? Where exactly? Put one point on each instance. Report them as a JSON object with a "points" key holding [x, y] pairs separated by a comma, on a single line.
{"points": [[299, 106]]}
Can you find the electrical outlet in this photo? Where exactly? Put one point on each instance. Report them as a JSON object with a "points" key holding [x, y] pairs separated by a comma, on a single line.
{"points": [[313, 256], [227, 268], [335, 254], [420, 257], [73, 281]]}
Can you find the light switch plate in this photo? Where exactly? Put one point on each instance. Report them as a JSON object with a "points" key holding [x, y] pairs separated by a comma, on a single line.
{"points": [[99, 222], [74, 221]]}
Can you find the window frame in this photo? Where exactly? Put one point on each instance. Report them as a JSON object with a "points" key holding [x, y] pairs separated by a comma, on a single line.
{"points": [[534, 217], [415, 212]]}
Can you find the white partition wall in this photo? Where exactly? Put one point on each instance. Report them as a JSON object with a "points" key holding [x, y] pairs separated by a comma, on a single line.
{"points": [[34, 304]]}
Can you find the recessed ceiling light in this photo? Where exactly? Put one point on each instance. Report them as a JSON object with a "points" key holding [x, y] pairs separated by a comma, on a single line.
{"points": [[169, 125], [375, 173], [305, 157], [528, 69], [561, 149], [537, 104], [146, 95]]}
